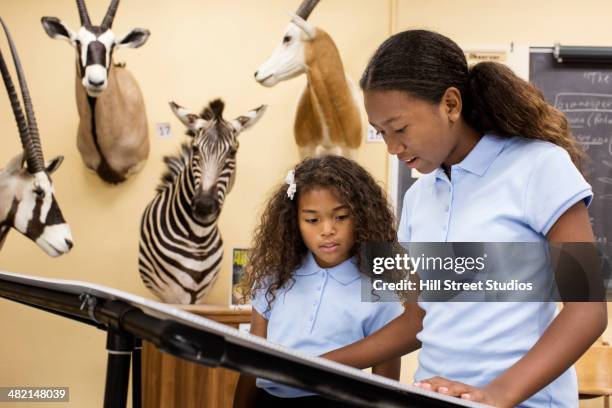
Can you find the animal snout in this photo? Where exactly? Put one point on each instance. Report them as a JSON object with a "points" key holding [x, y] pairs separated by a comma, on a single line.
{"points": [[205, 204], [96, 83], [69, 243], [263, 79]]}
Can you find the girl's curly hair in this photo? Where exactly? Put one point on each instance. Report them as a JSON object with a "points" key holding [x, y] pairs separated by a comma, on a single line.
{"points": [[278, 249]]}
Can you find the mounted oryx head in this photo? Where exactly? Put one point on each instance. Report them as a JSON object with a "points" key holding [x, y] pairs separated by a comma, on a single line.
{"points": [[27, 201], [94, 44], [288, 60], [112, 134], [213, 156]]}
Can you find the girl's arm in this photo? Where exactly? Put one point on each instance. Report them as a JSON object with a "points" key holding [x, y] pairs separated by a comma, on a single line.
{"points": [[394, 340], [572, 332], [246, 391], [390, 369], [569, 336]]}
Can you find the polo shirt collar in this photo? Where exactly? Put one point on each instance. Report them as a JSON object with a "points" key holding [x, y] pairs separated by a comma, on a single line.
{"points": [[345, 273], [480, 158]]}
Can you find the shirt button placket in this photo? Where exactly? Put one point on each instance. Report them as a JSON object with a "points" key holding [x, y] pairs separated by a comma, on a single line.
{"points": [[447, 208], [316, 301]]}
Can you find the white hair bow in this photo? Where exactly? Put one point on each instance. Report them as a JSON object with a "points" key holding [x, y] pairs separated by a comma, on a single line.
{"points": [[290, 179]]}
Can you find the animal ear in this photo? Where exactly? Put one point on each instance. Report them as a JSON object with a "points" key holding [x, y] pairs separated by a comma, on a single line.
{"points": [[15, 164], [134, 39], [249, 119], [57, 30], [54, 164], [193, 121], [306, 27]]}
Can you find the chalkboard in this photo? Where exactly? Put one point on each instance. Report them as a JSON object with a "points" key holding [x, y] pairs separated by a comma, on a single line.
{"points": [[584, 94]]}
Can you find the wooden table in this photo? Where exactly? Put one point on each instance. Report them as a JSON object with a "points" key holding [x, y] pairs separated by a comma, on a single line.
{"points": [[170, 382]]}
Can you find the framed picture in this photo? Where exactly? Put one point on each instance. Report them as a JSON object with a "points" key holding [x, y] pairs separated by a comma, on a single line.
{"points": [[239, 260]]}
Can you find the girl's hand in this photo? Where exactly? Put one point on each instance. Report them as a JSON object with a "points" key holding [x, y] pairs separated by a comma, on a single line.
{"points": [[461, 390]]}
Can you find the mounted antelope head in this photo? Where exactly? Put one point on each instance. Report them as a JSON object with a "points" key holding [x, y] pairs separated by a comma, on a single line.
{"points": [[113, 133], [94, 45], [328, 119], [27, 200], [288, 59]]}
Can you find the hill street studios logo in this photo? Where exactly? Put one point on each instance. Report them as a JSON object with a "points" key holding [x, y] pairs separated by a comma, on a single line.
{"points": [[481, 272]]}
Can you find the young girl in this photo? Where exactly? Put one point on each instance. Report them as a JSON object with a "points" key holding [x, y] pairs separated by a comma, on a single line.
{"points": [[303, 271], [500, 165]]}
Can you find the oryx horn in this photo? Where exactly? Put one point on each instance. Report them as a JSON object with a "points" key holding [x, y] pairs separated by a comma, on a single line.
{"points": [[28, 131], [110, 15], [306, 8], [83, 13]]}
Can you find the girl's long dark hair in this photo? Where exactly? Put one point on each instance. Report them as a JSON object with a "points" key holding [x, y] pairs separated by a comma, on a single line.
{"points": [[278, 249], [425, 64]]}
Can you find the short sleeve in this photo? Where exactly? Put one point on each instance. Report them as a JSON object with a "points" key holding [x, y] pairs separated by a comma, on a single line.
{"points": [[554, 185], [260, 303], [382, 314]]}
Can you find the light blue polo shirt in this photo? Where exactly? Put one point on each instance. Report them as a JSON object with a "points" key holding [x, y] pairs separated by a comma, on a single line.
{"points": [[505, 190], [320, 312]]}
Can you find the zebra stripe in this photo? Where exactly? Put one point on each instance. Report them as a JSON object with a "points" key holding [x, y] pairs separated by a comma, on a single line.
{"points": [[179, 255], [6, 224]]}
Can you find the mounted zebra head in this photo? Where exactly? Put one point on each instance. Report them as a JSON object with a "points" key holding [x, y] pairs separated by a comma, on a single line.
{"points": [[94, 44], [213, 155], [27, 201], [288, 60]]}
